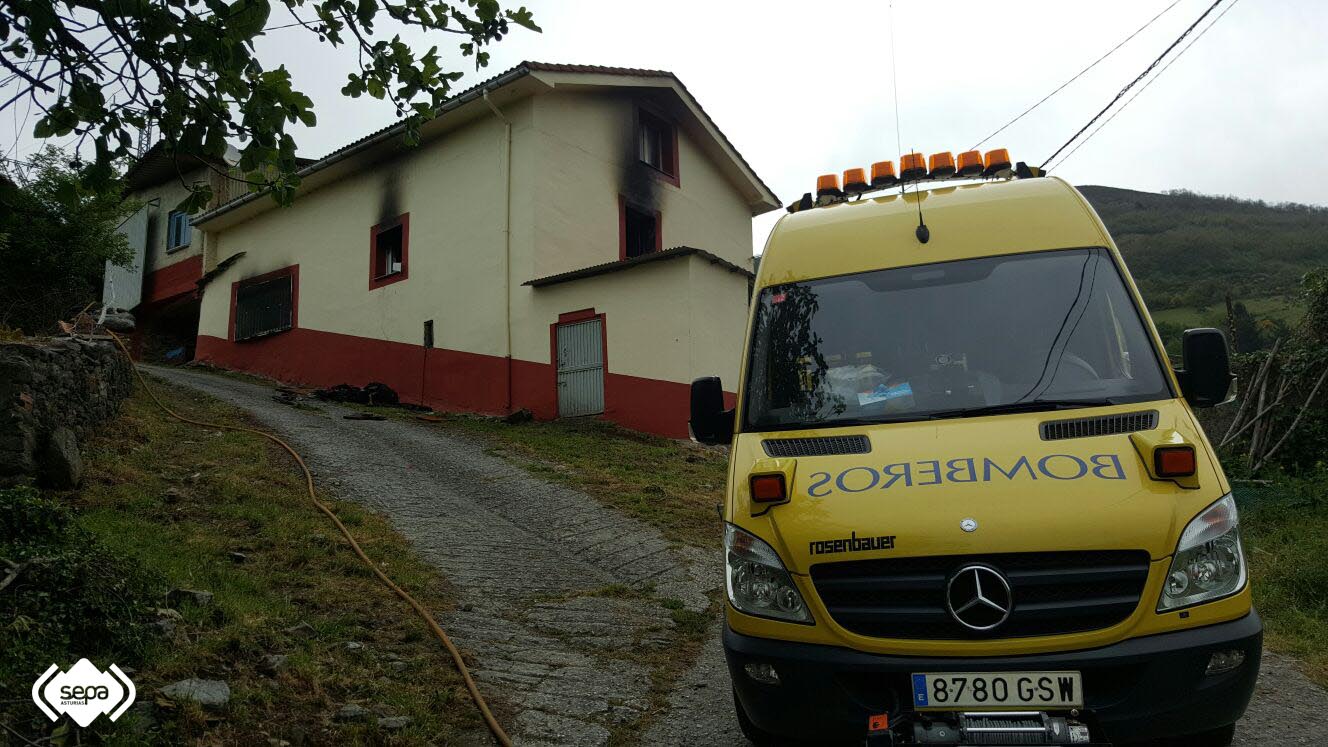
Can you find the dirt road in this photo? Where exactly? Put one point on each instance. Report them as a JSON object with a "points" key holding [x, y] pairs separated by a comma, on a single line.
{"points": [[534, 565]]}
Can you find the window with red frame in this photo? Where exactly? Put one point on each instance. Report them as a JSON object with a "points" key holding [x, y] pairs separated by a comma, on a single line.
{"points": [[658, 143], [640, 231], [389, 246]]}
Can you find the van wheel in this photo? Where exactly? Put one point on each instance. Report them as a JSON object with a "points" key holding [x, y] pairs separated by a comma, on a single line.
{"points": [[754, 734]]}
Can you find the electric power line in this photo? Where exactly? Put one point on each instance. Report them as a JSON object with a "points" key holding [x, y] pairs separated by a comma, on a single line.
{"points": [[1077, 75], [1130, 100], [1132, 83]]}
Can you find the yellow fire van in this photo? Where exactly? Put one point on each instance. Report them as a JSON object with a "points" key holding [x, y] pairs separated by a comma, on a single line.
{"points": [[968, 499]]}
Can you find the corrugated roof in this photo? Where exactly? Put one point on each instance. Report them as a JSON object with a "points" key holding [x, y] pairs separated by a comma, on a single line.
{"points": [[626, 264], [503, 78]]}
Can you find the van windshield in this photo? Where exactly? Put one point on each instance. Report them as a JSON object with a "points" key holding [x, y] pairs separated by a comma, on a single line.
{"points": [[1042, 330]]}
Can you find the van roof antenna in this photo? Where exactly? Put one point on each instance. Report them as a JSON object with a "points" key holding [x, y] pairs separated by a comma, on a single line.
{"points": [[923, 233]]}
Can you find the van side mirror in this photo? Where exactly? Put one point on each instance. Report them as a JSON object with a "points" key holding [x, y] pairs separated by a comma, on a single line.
{"points": [[710, 422], [1206, 377]]}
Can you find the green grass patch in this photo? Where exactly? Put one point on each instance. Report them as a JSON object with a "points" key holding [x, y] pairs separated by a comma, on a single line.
{"points": [[1285, 531], [177, 501]]}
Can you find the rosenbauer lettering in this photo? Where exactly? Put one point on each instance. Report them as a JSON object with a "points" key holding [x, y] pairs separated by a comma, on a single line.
{"points": [[902, 475]]}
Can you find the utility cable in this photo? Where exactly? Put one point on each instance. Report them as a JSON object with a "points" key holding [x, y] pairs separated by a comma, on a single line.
{"points": [[1132, 83], [1077, 75], [1130, 100], [428, 618]]}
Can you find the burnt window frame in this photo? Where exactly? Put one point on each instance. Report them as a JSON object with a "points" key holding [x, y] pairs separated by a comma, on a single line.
{"points": [[625, 205], [377, 280], [668, 142], [293, 274]]}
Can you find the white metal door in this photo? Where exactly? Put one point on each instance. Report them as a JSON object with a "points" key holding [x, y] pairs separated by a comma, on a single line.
{"points": [[581, 368]]}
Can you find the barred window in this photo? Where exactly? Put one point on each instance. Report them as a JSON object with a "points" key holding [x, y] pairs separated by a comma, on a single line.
{"points": [[264, 308]]}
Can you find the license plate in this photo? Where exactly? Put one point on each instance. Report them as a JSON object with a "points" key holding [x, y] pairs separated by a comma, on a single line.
{"points": [[984, 690]]}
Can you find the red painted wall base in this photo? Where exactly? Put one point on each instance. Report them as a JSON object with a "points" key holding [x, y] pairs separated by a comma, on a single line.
{"points": [[446, 380]]}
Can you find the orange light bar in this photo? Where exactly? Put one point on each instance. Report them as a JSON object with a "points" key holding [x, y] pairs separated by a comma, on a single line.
{"points": [[912, 166], [883, 174], [827, 185], [997, 161], [941, 165], [970, 163], [855, 181]]}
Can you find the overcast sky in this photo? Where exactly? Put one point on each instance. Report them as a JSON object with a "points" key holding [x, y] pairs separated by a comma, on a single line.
{"points": [[804, 88]]}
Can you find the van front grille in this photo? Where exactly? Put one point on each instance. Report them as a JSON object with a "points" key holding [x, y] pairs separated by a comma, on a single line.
{"points": [[1102, 425], [1052, 593], [816, 446]]}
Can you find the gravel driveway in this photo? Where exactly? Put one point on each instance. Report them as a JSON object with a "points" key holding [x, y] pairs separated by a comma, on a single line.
{"points": [[532, 562]]}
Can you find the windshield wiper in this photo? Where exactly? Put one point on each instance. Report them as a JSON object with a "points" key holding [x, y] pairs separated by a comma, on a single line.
{"points": [[1036, 405]]}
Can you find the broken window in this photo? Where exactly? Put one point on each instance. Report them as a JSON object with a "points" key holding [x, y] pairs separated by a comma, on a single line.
{"points": [[387, 248], [264, 308], [640, 231], [658, 143]]}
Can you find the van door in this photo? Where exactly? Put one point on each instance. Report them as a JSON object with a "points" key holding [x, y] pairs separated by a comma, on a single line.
{"points": [[581, 368]]}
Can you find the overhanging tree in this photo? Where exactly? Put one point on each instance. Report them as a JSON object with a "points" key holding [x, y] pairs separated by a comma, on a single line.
{"points": [[103, 70]]}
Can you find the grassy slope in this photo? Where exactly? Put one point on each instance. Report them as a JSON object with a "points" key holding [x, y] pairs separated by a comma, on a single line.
{"points": [[1188, 250], [237, 493], [1285, 530]]}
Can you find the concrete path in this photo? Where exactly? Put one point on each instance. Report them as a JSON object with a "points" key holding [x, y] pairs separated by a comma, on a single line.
{"points": [[529, 560]]}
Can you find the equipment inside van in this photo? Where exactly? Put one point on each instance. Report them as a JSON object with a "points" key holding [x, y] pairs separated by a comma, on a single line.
{"points": [[968, 500]]}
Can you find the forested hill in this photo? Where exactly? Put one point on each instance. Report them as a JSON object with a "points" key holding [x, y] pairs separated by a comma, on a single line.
{"points": [[1190, 250]]}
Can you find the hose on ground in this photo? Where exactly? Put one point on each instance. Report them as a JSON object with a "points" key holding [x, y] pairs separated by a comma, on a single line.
{"points": [[428, 618]]}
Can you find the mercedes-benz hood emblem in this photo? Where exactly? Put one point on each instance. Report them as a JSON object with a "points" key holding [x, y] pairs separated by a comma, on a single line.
{"points": [[978, 597]]}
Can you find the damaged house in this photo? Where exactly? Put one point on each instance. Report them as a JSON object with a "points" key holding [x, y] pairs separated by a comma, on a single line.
{"points": [[571, 240]]}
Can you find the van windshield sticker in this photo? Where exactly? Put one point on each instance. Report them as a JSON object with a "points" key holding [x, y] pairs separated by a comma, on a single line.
{"points": [[851, 543], [965, 470]]}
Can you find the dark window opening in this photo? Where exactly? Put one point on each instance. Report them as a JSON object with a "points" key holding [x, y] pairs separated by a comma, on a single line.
{"points": [[264, 308], [388, 252], [658, 143], [642, 232]]}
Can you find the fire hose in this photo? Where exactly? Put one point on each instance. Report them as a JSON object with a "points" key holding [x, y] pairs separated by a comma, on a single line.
{"points": [[424, 614]]}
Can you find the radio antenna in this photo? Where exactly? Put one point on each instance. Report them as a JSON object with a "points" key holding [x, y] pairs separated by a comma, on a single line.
{"points": [[923, 233]]}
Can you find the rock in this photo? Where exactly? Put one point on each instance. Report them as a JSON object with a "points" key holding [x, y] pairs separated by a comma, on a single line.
{"points": [[393, 723], [352, 712], [165, 627], [61, 464], [165, 613], [303, 629], [397, 666], [172, 495], [210, 693], [274, 663], [194, 596], [238, 557], [354, 646]]}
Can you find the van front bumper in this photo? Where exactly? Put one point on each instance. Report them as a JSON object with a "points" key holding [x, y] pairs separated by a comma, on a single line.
{"points": [[1143, 688]]}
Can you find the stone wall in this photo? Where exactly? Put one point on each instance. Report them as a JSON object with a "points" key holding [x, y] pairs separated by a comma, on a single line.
{"points": [[54, 392]]}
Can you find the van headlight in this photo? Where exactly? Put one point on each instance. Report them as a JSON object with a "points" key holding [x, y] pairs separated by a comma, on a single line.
{"points": [[758, 584], [1209, 563]]}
